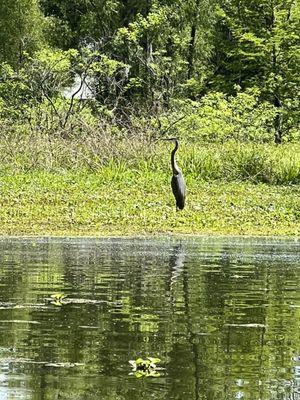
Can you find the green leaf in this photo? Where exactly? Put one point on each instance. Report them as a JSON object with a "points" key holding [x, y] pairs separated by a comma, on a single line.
{"points": [[139, 361], [58, 296], [140, 374], [154, 360], [56, 303]]}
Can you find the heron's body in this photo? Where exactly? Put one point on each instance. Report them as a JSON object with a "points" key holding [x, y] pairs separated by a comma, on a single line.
{"points": [[178, 187], [177, 182]]}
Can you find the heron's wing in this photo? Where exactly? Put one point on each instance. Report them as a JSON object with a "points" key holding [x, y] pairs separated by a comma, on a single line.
{"points": [[178, 187]]}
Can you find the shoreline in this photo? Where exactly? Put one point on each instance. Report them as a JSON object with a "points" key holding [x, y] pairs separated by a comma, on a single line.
{"points": [[159, 236], [78, 205]]}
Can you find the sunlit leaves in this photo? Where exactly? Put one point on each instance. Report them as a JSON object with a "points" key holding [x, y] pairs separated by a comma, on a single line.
{"points": [[58, 299], [21, 30], [145, 367]]}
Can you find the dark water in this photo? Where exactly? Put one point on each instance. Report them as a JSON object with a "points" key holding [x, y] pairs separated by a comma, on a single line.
{"points": [[223, 315]]}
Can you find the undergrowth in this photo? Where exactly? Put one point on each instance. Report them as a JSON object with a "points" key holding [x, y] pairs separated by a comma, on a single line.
{"points": [[94, 151]]}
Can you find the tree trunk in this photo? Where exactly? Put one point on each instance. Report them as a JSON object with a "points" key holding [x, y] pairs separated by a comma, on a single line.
{"points": [[278, 121], [191, 49]]}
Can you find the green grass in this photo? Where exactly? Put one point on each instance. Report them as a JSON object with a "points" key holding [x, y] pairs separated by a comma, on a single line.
{"points": [[120, 201], [99, 184], [229, 161]]}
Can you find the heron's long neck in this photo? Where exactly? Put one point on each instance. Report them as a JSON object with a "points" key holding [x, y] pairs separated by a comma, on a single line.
{"points": [[175, 168]]}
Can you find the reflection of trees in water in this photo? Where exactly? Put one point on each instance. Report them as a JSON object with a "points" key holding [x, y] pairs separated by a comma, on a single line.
{"points": [[188, 308], [231, 307], [191, 335]]}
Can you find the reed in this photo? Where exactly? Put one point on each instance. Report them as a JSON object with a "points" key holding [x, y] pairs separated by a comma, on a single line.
{"points": [[98, 150]]}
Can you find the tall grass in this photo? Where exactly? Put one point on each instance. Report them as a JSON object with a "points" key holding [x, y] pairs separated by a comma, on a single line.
{"points": [[231, 161], [99, 150]]}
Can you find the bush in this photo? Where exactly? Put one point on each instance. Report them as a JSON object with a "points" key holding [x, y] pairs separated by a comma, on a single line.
{"points": [[219, 118]]}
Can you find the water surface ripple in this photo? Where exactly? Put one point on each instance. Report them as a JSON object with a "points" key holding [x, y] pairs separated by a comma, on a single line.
{"points": [[222, 314]]}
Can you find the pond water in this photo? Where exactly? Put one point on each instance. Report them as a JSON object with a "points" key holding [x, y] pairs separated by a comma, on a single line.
{"points": [[222, 315]]}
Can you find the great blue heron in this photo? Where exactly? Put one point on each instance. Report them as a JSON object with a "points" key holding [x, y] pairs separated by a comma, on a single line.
{"points": [[177, 181]]}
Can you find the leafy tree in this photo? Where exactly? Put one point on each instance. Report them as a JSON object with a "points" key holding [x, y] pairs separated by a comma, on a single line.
{"points": [[148, 57], [164, 44], [21, 29], [259, 46], [70, 23]]}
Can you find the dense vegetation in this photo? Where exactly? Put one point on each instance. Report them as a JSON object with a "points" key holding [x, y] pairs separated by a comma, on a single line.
{"points": [[229, 68], [90, 85]]}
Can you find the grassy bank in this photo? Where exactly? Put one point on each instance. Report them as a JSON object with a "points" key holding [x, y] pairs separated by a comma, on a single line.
{"points": [[108, 154], [119, 201], [111, 184]]}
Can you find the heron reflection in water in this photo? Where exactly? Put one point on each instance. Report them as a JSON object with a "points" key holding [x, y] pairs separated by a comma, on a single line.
{"points": [[177, 181]]}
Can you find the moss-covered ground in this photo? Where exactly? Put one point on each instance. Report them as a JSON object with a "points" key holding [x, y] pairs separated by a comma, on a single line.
{"points": [[130, 202]]}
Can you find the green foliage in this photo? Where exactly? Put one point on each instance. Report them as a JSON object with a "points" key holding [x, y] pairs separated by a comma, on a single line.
{"points": [[95, 204], [145, 367], [115, 154], [14, 93], [58, 296], [36, 93], [152, 53], [219, 118], [207, 71], [260, 47], [21, 30], [255, 163], [41, 77], [58, 299], [153, 39]]}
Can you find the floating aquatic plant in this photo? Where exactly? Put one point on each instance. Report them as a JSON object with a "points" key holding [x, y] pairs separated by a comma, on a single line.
{"points": [[145, 367], [58, 299]]}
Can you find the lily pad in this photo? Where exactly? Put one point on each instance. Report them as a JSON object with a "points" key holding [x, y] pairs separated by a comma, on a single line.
{"points": [[58, 299], [145, 367], [57, 303], [58, 296]]}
